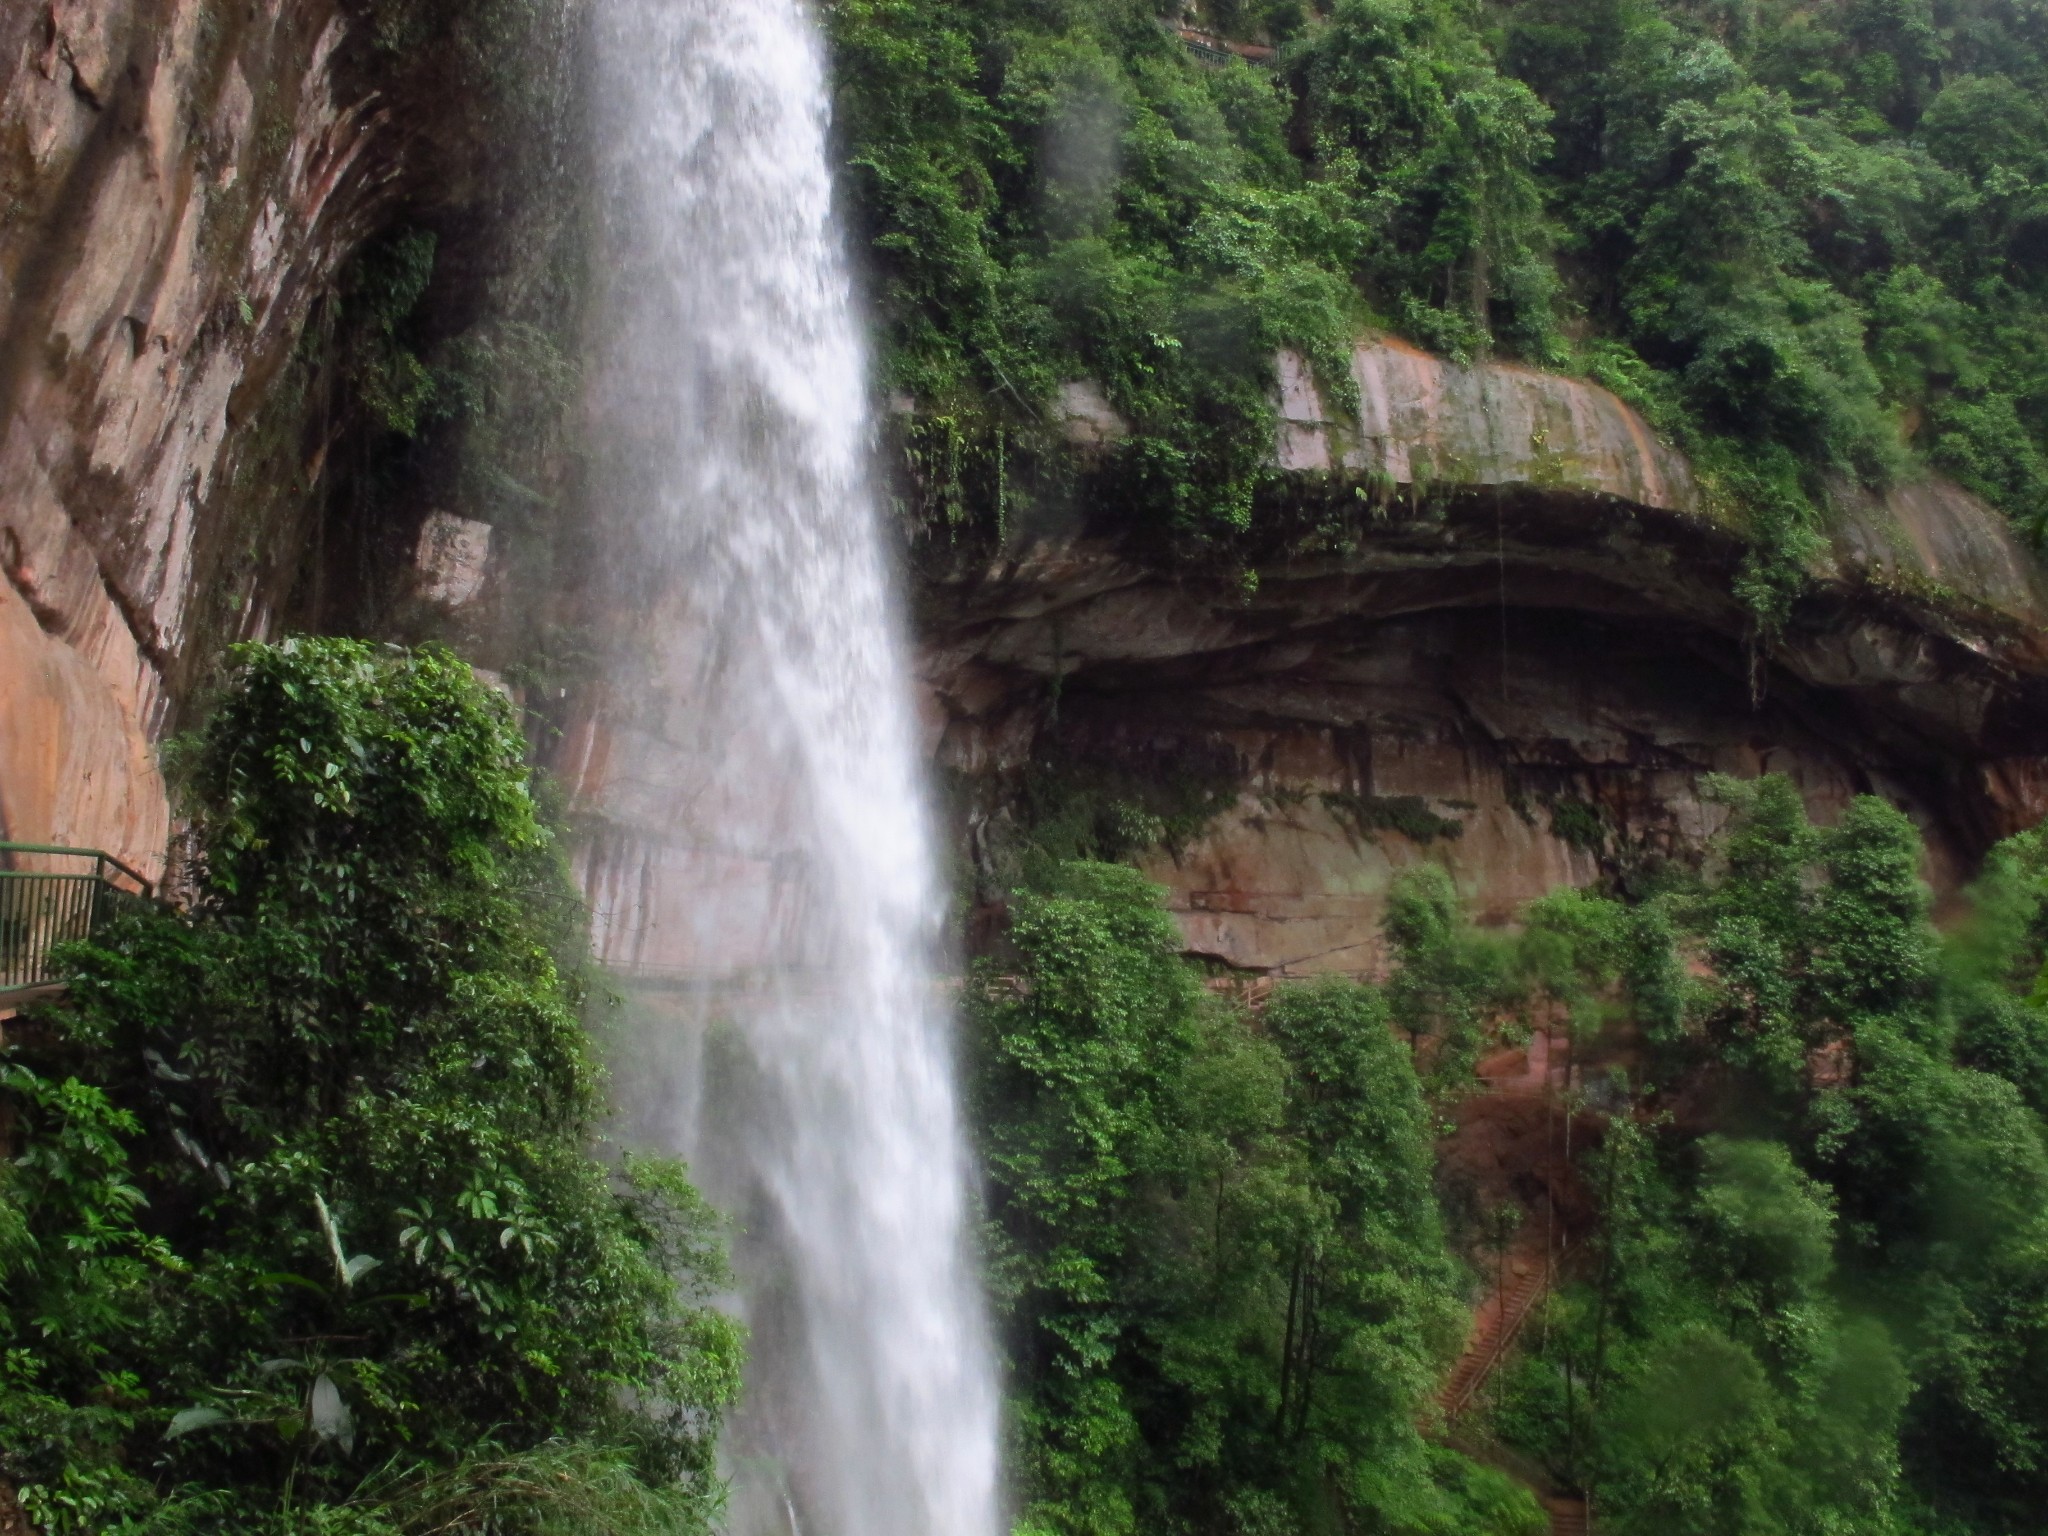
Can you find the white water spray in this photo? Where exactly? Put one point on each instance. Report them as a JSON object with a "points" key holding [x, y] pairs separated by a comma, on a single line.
{"points": [[769, 886]]}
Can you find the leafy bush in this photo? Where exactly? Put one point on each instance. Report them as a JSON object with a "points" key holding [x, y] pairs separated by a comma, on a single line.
{"points": [[307, 1233]]}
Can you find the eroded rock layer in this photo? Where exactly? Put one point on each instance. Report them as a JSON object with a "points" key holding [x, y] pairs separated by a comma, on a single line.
{"points": [[1505, 638], [1526, 673]]}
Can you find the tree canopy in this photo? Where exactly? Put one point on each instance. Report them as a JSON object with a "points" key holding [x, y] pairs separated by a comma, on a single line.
{"points": [[1809, 240], [1216, 1246]]}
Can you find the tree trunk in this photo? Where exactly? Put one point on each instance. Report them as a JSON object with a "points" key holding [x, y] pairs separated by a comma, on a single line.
{"points": [[1287, 1347]]}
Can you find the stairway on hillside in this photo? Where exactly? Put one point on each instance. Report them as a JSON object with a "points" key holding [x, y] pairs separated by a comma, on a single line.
{"points": [[1498, 1320], [1526, 1274], [1495, 1324]]}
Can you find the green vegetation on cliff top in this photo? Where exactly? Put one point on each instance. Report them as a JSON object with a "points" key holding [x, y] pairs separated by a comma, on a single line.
{"points": [[1809, 240]]}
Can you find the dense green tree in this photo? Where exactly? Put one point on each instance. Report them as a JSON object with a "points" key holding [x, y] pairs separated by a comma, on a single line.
{"points": [[307, 1232], [1811, 242], [1833, 1322], [1993, 962], [1444, 974], [1216, 1247], [1755, 920], [1226, 1272], [1440, 149], [1767, 1236]]}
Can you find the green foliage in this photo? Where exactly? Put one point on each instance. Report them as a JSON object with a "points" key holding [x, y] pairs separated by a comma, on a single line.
{"points": [[1767, 1233], [1054, 193], [1691, 1437], [1571, 948], [1222, 1263], [1408, 815], [1993, 962], [1216, 1247], [306, 1233], [1830, 1320], [1809, 242], [1061, 811], [1437, 150], [1793, 227], [1755, 923], [1579, 823], [1798, 961], [384, 288], [1444, 975], [1706, 1379]]}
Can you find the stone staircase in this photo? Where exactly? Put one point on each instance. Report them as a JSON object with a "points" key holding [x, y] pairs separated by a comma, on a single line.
{"points": [[1525, 1275], [1499, 1319]]}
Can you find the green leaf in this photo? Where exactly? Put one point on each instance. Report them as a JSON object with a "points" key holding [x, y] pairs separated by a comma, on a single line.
{"points": [[357, 1267], [186, 1420], [328, 1416]]}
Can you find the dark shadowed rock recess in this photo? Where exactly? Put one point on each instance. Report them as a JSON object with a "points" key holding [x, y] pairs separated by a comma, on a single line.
{"points": [[1518, 653]]}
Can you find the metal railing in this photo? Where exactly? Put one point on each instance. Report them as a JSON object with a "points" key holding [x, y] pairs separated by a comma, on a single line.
{"points": [[1211, 49], [52, 896]]}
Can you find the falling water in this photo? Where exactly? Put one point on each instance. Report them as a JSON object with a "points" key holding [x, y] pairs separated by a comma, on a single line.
{"points": [[767, 886]]}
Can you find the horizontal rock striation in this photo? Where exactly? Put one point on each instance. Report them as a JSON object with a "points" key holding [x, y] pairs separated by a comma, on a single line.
{"points": [[1516, 652], [1423, 421], [1491, 620]]}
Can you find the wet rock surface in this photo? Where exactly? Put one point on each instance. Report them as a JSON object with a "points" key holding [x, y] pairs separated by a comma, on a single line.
{"points": [[181, 180], [1423, 420], [1526, 674]]}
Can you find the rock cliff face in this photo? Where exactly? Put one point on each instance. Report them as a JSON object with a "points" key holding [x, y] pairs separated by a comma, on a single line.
{"points": [[1518, 654], [1497, 628], [187, 353], [1422, 421], [179, 180]]}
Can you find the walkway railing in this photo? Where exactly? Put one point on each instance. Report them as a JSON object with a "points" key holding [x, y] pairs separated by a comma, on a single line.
{"points": [[49, 897], [1211, 49]]}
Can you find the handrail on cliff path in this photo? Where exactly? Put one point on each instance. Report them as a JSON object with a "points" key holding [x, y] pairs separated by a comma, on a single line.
{"points": [[42, 909], [1212, 49]]}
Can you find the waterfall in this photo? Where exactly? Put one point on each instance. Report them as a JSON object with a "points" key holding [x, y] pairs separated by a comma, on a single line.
{"points": [[766, 887]]}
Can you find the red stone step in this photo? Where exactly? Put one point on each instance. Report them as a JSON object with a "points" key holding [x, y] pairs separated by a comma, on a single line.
{"points": [[1502, 1314]]}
